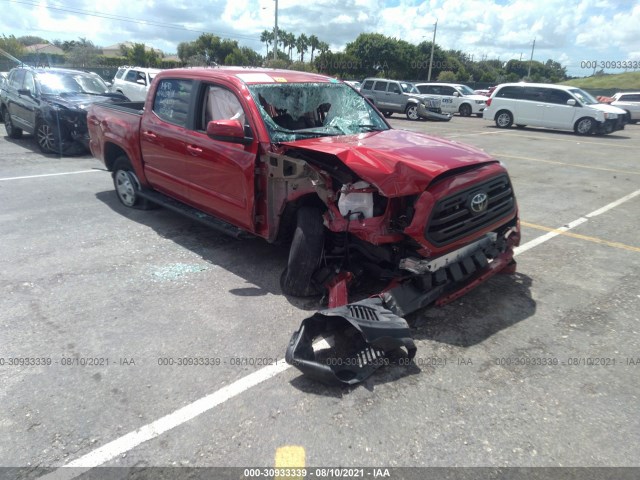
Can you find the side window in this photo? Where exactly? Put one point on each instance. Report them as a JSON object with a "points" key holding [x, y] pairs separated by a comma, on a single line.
{"points": [[29, 83], [394, 88], [17, 79], [119, 73], [171, 103], [559, 97], [367, 85], [534, 94], [131, 76], [221, 104], [447, 91], [380, 87], [630, 98], [510, 92], [424, 88]]}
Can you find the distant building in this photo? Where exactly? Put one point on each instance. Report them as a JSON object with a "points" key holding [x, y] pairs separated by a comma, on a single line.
{"points": [[46, 48], [116, 50]]}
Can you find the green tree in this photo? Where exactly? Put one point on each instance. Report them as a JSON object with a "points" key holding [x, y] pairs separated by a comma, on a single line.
{"points": [[314, 43], [12, 46], [447, 76], [83, 53], [302, 45], [266, 37]]}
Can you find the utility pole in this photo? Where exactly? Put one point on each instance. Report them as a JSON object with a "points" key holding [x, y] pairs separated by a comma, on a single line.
{"points": [[531, 59], [275, 44], [433, 44]]}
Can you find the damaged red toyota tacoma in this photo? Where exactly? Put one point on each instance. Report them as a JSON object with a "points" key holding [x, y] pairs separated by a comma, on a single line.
{"points": [[303, 158]]}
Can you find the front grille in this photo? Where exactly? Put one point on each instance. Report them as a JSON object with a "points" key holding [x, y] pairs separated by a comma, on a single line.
{"points": [[452, 217]]}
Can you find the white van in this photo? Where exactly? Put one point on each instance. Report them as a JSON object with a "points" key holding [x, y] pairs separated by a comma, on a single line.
{"points": [[456, 98], [552, 106]]}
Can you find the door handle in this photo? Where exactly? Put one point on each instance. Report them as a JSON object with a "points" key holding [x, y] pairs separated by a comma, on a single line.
{"points": [[149, 135], [195, 151]]}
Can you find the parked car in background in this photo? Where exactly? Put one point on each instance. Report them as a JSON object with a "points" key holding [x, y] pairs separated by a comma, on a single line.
{"points": [[455, 97], [51, 103], [134, 82], [483, 92], [393, 96], [552, 106], [627, 101], [3, 78], [355, 84]]}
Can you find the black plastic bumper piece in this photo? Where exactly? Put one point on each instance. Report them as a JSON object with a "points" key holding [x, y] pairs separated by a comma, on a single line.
{"points": [[364, 333]]}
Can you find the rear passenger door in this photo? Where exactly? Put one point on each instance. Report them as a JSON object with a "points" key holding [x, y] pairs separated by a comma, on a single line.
{"points": [[379, 94], [557, 114], [162, 138], [531, 109]]}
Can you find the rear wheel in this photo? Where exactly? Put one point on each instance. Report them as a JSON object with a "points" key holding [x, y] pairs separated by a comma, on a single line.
{"points": [[387, 114], [520, 125], [504, 119], [127, 185], [12, 132], [465, 110], [584, 126], [305, 254], [412, 112]]}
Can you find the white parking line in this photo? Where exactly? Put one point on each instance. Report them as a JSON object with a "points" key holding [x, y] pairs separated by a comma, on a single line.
{"points": [[154, 429], [52, 174], [548, 236]]}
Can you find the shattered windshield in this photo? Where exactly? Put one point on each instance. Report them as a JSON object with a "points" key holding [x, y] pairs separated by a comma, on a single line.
{"points": [[294, 111]]}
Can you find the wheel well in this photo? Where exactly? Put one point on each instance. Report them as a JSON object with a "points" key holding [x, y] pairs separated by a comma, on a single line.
{"points": [[288, 217], [111, 153]]}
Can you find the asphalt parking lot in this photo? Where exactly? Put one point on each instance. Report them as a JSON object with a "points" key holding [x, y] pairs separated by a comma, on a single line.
{"points": [[536, 369]]}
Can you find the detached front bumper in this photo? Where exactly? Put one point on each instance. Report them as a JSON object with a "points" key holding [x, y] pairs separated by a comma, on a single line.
{"points": [[433, 113]]}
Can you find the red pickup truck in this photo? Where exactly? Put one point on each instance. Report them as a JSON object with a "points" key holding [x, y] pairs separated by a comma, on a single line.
{"points": [[303, 158]]}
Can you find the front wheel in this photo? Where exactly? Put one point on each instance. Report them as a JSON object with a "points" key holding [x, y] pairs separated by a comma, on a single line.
{"points": [[128, 186], [305, 254], [12, 132], [48, 140], [504, 119], [465, 110], [387, 114], [584, 126], [412, 112]]}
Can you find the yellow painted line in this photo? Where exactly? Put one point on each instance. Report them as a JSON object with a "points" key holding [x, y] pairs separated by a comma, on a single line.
{"points": [[289, 458], [581, 237], [581, 142], [580, 165]]}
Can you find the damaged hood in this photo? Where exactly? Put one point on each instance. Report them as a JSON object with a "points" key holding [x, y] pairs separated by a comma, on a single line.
{"points": [[80, 101], [397, 162]]}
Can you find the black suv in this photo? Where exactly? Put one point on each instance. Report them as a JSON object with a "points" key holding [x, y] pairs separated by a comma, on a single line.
{"points": [[51, 103]]}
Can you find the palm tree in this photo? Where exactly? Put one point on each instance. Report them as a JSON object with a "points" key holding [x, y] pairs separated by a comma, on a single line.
{"points": [[314, 43], [302, 45], [323, 47], [291, 42], [267, 38]]}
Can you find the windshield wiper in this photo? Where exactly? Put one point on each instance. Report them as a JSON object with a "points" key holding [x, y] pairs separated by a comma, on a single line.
{"points": [[372, 128]]}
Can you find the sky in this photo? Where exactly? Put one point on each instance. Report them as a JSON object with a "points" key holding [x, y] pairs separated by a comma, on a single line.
{"points": [[571, 32]]}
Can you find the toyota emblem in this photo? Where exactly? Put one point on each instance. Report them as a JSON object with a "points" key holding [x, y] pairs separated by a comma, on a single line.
{"points": [[479, 202]]}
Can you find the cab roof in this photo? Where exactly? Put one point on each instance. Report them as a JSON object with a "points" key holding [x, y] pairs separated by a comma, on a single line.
{"points": [[251, 75]]}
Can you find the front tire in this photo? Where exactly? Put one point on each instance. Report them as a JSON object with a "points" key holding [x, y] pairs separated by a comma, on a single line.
{"points": [[12, 132], [46, 138], [387, 114], [305, 254], [584, 126], [412, 112], [504, 119], [128, 186], [465, 110]]}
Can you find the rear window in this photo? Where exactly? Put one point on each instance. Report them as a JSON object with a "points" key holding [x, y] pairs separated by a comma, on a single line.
{"points": [[510, 92], [171, 103]]}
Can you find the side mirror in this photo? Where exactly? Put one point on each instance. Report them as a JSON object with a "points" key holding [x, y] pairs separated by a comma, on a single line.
{"points": [[456, 94], [230, 131], [571, 102]]}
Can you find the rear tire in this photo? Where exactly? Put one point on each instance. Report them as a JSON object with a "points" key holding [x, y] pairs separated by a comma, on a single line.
{"points": [[504, 119], [520, 125], [12, 132], [127, 185], [387, 114], [305, 255]]}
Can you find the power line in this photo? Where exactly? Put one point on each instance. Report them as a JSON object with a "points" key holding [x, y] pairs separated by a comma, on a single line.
{"points": [[131, 20]]}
